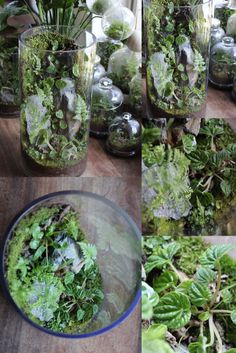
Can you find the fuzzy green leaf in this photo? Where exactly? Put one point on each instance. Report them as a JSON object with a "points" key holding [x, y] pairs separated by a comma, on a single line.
{"points": [[69, 278], [214, 254], [173, 310], [226, 187], [199, 294], [233, 316], [165, 281], [205, 275]]}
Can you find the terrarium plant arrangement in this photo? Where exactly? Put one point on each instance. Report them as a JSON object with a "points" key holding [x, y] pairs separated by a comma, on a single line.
{"points": [[177, 46], [189, 178], [189, 296], [13, 21], [56, 70], [51, 270]]}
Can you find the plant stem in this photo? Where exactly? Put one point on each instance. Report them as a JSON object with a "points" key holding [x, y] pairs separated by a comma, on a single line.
{"points": [[220, 349], [211, 329], [218, 285], [221, 311]]}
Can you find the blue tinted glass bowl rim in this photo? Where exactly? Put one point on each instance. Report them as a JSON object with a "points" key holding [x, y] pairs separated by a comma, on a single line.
{"points": [[21, 215]]}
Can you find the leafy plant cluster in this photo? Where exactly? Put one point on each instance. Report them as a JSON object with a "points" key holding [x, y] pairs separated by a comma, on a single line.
{"points": [[51, 270], [195, 310], [54, 113], [106, 49], [176, 67], [118, 30], [196, 174]]}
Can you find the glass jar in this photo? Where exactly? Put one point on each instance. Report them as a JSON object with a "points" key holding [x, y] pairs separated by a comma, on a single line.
{"points": [[135, 95], [177, 48], [124, 137], [105, 48], [118, 23], [99, 70], [118, 256], [123, 66], [223, 63], [223, 10], [217, 33], [106, 102], [234, 89], [99, 7], [56, 72], [9, 82]]}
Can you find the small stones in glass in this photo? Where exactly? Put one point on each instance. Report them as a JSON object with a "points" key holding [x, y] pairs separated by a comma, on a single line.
{"points": [[106, 102], [124, 137]]}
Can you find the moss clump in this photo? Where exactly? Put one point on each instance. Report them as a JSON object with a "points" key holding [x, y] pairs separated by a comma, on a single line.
{"points": [[51, 41], [118, 30]]}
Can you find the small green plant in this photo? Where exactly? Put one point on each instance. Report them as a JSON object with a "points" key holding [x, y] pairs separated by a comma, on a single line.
{"points": [[196, 311], [106, 49], [51, 270]]}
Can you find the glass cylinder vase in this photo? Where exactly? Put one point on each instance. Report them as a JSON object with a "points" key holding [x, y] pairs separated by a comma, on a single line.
{"points": [[9, 84], [177, 54], [56, 73]]}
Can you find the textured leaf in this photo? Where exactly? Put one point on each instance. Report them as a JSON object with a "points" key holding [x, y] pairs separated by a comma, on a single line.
{"points": [[199, 294], [233, 316], [149, 299], [199, 346], [205, 275], [198, 159], [153, 340], [204, 316], [184, 286], [69, 278], [173, 310], [214, 254], [166, 280], [189, 143], [226, 187], [227, 296], [39, 252]]}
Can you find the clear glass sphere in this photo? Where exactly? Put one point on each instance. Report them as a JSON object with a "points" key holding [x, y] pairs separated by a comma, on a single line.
{"points": [[118, 23], [99, 7], [123, 66], [106, 101], [124, 136]]}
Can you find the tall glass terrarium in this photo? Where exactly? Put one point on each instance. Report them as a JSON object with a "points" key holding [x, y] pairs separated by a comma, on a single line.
{"points": [[56, 72], [177, 55]]}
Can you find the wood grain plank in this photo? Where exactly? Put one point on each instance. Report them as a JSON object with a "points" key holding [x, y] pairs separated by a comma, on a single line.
{"points": [[17, 336], [100, 163]]}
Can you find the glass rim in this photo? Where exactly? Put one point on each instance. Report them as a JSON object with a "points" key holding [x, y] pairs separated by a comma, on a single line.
{"points": [[17, 219], [23, 36]]}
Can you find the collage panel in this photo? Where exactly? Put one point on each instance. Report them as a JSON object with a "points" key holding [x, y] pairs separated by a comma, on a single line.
{"points": [[70, 88], [188, 177], [70, 265]]}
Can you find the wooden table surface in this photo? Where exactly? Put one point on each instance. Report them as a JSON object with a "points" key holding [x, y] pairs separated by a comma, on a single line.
{"points": [[100, 163], [17, 336]]}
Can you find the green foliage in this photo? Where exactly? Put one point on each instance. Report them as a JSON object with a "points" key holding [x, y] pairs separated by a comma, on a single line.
{"points": [[190, 306], [55, 297], [211, 171], [118, 30], [175, 85]]}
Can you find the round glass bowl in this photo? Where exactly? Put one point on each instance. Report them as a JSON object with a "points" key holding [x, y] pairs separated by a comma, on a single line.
{"points": [[223, 63], [118, 243], [118, 23], [106, 103], [124, 136]]}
